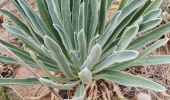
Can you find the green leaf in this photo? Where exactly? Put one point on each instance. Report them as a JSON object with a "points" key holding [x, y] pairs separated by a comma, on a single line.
{"points": [[154, 46], [32, 17], [82, 46], [26, 57], [44, 14], [28, 41], [149, 24], [110, 2], [80, 93], [75, 14], [85, 76], [18, 23], [64, 37], [152, 15], [132, 6], [127, 15], [81, 17], [153, 6], [123, 4], [92, 43], [7, 60], [94, 19], [109, 29], [149, 37], [58, 56], [54, 11], [74, 57], [138, 21], [129, 80], [126, 38], [46, 51], [21, 53], [92, 58], [42, 66], [52, 84], [16, 81], [147, 51], [153, 60], [116, 57], [102, 16], [66, 16]]}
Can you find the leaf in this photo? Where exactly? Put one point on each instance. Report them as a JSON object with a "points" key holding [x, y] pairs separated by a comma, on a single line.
{"points": [[7, 60], [123, 78], [54, 11], [80, 93], [123, 4], [32, 17], [66, 17], [154, 46], [152, 15], [109, 29], [94, 19], [28, 41], [76, 41], [149, 24], [12, 61], [75, 14], [149, 37], [81, 17], [21, 53], [153, 60], [126, 38], [132, 6], [75, 58], [52, 84], [138, 22], [44, 14], [46, 51], [58, 56], [116, 57], [127, 15], [110, 2], [16, 81], [87, 16], [85, 76], [18, 23], [64, 37], [102, 16], [26, 57], [153, 6], [92, 58], [82, 46], [92, 43], [147, 51], [42, 66]]}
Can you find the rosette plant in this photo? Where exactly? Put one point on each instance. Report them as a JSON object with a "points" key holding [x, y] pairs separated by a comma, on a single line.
{"points": [[75, 38]]}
